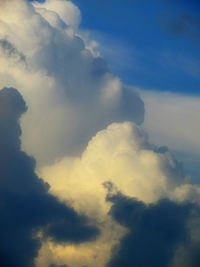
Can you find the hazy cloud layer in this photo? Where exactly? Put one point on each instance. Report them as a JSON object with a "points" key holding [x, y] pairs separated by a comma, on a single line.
{"points": [[173, 119]]}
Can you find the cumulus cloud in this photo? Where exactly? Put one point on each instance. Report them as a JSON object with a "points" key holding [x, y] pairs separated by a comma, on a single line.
{"points": [[66, 10], [120, 155], [59, 78], [83, 128], [27, 208], [123, 155]]}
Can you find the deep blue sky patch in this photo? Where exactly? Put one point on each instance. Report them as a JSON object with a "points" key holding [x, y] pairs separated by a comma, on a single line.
{"points": [[150, 44]]}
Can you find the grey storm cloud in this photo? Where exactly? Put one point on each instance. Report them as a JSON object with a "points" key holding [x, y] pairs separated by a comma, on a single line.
{"points": [[154, 232], [26, 206]]}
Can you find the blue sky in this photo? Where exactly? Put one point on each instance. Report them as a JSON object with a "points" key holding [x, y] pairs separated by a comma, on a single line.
{"points": [[150, 44]]}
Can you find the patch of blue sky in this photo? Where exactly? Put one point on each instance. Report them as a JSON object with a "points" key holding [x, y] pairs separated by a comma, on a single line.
{"points": [[149, 44]]}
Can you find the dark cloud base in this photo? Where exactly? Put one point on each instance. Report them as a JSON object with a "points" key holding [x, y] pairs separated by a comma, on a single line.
{"points": [[154, 233], [25, 205]]}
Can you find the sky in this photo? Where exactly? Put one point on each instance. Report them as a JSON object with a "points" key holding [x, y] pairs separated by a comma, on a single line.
{"points": [[158, 41], [99, 133]]}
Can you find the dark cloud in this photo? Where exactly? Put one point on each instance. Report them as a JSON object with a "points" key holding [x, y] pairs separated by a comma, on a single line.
{"points": [[154, 233], [25, 205]]}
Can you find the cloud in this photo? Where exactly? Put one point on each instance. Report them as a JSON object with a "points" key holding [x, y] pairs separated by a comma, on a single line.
{"points": [[67, 11], [155, 232], [60, 78], [170, 116], [121, 155], [160, 106], [83, 128], [26, 206], [11, 51]]}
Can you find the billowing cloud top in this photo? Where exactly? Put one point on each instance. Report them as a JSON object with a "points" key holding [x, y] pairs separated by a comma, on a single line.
{"points": [[44, 55]]}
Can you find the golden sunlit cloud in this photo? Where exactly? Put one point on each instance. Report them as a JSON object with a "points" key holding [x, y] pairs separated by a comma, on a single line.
{"points": [[122, 155]]}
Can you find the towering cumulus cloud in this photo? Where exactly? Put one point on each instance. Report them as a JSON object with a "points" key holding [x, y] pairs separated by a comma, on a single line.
{"points": [[107, 196], [148, 194], [44, 56]]}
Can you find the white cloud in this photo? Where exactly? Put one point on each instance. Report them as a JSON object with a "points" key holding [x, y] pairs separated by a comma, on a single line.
{"points": [[69, 91], [66, 10]]}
